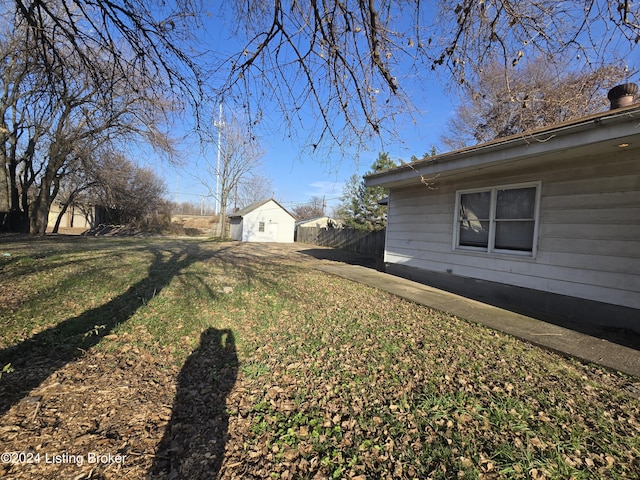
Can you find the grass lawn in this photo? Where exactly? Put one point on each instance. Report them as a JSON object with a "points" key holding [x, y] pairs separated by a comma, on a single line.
{"points": [[190, 359]]}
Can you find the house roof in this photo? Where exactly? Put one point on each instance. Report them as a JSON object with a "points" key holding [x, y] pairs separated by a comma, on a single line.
{"points": [[314, 219], [254, 206], [601, 133]]}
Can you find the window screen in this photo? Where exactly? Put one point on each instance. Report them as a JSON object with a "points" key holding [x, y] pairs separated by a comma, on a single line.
{"points": [[475, 219], [498, 219], [515, 219]]}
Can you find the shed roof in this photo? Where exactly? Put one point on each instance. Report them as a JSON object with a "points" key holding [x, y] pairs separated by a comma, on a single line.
{"points": [[254, 206]]}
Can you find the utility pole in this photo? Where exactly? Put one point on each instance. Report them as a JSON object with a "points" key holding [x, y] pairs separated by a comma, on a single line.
{"points": [[218, 124]]}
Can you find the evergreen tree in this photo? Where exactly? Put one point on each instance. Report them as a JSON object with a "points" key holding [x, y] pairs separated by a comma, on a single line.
{"points": [[360, 207]]}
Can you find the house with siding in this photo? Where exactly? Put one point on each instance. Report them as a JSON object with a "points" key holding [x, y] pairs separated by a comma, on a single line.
{"points": [[546, 223], [265, 221]]}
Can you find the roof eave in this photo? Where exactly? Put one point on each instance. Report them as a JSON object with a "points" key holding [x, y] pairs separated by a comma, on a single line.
{"points": [[593, 129]]}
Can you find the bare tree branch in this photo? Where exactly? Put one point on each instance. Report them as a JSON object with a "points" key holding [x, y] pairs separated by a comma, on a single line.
{"points": [[537, 94], [344, 60]]}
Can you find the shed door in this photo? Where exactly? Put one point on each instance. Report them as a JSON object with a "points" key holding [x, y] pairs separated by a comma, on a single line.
{"points": [[271, 232]]}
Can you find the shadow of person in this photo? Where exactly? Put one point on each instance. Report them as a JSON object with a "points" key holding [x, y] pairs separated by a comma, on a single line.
{"points": [[194, 440]]}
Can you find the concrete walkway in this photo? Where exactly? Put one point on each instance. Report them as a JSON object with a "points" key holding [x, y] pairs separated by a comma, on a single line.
{"points": [[553, 337]]}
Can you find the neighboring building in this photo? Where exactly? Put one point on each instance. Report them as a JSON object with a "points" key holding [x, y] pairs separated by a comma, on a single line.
{"points": [[265, 221], [319, 222], [77, 216], [546, 223], [307, 231]]}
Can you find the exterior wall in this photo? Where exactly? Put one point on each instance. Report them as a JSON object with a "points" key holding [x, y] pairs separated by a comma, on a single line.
{"points": [[588, 243], [75, 216], [278, 224]]}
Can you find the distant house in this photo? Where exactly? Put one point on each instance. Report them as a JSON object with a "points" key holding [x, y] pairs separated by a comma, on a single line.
{"points": [[306, 229], [79, 216], [265, 221], [546, 222], [319, 222]]}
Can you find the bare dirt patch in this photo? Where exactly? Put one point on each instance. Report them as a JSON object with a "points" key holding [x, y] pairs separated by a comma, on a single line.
{"points": [[11, 297]]}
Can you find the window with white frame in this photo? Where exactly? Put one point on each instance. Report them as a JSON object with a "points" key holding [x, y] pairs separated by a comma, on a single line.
{"points": [[261, 227], [498, 219]]}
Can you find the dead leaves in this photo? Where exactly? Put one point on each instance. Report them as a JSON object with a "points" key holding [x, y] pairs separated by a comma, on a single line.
{"points": [[97, 404], [409, 393]]}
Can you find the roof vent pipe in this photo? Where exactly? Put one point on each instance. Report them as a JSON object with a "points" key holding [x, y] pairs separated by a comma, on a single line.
{"points": [[622, 95]]}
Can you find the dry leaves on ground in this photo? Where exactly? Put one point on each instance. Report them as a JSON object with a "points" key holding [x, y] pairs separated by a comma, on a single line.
{"points": [[291, 373]]}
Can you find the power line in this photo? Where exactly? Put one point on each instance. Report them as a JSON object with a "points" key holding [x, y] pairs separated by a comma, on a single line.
{"points": [[191, 194]]}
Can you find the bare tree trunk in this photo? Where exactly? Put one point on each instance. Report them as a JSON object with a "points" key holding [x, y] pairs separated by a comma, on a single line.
{"points": [[223, 218], [4, 184], [63, 210], [14, 195], [39, 213]]}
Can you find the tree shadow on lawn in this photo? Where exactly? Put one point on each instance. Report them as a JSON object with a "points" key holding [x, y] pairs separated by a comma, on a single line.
{"points": [[194, 440], [38, 357], [40, 248]]}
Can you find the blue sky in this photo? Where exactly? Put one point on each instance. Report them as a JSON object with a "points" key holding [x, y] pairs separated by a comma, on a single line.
{"points": [[295, 175]]}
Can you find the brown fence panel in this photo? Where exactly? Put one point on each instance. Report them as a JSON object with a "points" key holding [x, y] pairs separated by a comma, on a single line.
{"points": [[307, 235], [366, 243]]}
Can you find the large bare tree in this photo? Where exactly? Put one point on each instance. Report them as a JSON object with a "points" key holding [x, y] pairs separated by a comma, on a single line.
{"points": [[54, 114], [24, 121], [534, 96]]}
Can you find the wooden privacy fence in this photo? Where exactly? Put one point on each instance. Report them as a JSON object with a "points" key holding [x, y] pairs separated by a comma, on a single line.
{"points": [[366, 243]]}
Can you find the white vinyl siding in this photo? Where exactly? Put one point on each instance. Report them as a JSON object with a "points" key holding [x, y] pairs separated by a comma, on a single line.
{"points": [[588, 229], [268, 222]]}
